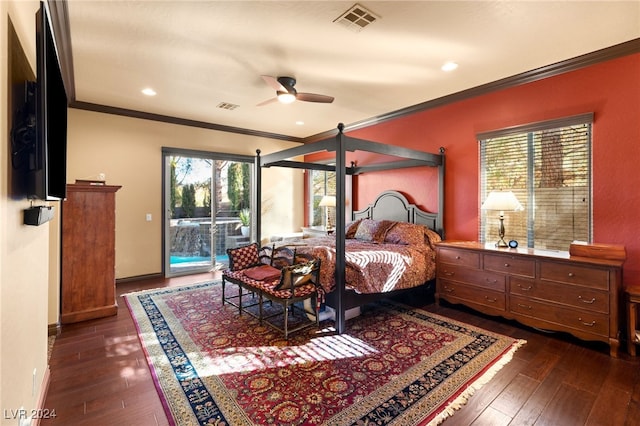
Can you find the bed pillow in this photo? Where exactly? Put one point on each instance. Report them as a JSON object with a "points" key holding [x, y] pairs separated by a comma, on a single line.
{"points": [[263, 273], [432, 237], [243, 257], [373, 230], [300, 274], [406, 233], [351, 228]]}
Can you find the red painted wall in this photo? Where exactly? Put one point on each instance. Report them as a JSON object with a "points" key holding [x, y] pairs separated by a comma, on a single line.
{"points": [[611, 90]]}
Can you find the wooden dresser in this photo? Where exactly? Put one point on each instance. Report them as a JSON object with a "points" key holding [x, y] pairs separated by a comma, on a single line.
{"points": [[88, 253], [546, 289]]}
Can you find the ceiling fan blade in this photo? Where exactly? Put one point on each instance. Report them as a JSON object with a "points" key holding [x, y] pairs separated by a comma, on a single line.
{"points": [[274, 83], [313, 97], [267, 102]]}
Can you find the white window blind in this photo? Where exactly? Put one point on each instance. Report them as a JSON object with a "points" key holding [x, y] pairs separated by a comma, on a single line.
{"points": [[547, 165]]}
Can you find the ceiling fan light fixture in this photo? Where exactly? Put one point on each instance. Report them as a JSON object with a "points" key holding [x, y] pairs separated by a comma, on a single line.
{"points": [[286, 98]]}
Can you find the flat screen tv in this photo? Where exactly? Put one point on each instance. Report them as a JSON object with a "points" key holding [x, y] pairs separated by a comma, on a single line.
{"points": [[47, 174]]}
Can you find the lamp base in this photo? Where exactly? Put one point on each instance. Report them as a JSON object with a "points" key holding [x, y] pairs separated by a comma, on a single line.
{"points": [[501, 243]]}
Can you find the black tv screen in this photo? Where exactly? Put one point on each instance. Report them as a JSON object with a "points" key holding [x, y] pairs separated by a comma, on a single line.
{"points": [[49, 162]]}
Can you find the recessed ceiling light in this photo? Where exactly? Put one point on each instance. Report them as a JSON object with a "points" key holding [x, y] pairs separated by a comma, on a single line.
{"points": [[449, 66], [300, 123], [148, 91]]}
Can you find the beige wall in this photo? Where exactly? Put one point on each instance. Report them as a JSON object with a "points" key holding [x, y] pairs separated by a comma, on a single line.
{"points": [[24, 253], [129, 152]]}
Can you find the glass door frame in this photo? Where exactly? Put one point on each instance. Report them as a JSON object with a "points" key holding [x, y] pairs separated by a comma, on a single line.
{"points": [[166, 214]]}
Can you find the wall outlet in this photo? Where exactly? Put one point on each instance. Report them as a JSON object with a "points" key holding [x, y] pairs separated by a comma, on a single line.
{"points": [[148, 217]]}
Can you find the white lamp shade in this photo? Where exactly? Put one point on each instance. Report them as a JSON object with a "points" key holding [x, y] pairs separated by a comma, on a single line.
{"points": [[328, 201], [503, 201]]}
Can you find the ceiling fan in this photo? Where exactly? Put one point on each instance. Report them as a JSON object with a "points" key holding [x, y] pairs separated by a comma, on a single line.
{"points": [[286, 93]]}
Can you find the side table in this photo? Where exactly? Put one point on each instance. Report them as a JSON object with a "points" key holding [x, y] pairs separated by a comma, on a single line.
{"points": [[632, 296]]}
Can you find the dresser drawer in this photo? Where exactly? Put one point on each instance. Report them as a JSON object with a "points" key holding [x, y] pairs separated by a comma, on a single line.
{"points": [[575, 274], [455, 291], [510, 265], [467, 258], [579, 297], [483, 279], [564, 317]]}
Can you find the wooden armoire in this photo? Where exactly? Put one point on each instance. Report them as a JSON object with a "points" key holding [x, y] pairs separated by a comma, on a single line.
{"points": [[88, 252]]}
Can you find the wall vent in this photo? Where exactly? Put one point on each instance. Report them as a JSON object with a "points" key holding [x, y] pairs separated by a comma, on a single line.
{"points": [[357, 18], [227, 105]]}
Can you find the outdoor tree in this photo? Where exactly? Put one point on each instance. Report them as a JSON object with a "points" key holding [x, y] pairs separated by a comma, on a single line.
{"points": [[246, 185], [188, 200], [172, 188], [551, 156], [239, 185]]}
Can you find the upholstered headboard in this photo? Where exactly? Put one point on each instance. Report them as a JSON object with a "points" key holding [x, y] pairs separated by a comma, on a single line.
{"points": [[392, 205]]}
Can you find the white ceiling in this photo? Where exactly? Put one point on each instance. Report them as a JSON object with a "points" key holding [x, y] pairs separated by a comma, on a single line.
{"points": [[198, 54]]}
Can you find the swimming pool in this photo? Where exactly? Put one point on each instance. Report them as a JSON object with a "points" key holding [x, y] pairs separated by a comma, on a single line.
{"points": [[196, 259]]}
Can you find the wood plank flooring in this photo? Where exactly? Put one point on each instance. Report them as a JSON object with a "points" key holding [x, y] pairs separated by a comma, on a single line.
{"points": [[99, 375]]}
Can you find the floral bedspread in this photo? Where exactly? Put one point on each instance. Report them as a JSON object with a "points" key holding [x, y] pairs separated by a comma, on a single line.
{"points": [[373, 267]]}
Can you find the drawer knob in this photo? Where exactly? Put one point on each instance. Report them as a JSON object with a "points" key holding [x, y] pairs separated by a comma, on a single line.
{"points": [[506, 265], [449, 274], [490, 299], [524, 306], [588, 302], [528, 288], [491, 281], [570, 274], [457, 257], [448, 290], [588, 324]]}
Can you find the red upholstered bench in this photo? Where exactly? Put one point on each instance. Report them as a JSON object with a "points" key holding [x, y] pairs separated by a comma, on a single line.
{"points": [[275, 274]]}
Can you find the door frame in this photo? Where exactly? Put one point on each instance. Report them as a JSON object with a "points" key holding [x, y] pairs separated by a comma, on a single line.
{"points": [[212, 155]]}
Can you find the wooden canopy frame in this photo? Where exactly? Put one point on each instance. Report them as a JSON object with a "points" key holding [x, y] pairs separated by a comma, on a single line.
{"points": [[340, 144]]}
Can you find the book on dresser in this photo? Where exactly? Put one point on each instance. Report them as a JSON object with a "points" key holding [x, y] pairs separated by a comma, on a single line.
{"points": [[546, 289]]}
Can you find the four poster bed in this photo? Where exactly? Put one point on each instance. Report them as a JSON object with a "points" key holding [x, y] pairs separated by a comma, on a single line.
{"points": [[388, 247]]}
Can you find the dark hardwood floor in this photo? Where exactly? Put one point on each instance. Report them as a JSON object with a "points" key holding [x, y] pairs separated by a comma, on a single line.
{"points": [[99, 376]]}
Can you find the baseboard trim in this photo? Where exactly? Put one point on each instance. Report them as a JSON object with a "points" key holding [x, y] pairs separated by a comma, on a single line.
{"points": [[53, 329], [46, 379], [139, 277]]}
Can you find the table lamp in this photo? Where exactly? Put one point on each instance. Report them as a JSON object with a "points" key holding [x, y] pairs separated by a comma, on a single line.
{"points": [[502, 201]]}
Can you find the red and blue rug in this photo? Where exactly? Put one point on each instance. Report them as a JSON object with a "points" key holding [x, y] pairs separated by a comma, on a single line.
{"points": [[393, 365]]}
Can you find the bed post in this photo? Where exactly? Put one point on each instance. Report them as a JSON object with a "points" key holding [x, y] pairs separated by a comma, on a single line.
{"points": [[341, 168], [257, 197]]}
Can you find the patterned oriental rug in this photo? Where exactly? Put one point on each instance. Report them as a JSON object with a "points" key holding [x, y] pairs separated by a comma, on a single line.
{"points": [[393, 365]]}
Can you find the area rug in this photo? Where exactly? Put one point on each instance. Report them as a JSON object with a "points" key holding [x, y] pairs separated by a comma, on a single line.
{"points": [[393, 365]]}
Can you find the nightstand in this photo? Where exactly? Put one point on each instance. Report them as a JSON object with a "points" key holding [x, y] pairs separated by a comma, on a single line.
{"points": [[632, 295]]}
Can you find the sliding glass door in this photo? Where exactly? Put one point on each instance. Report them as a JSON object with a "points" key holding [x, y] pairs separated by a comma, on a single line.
{"points": [[207, 197]]}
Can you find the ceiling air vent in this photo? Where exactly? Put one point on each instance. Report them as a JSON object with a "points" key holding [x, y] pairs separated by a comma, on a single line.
{"points": [[227, 105], [357, 18]]}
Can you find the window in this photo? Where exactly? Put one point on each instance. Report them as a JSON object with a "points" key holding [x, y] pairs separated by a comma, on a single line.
{"points": [[321, 183], [547, 166]]}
